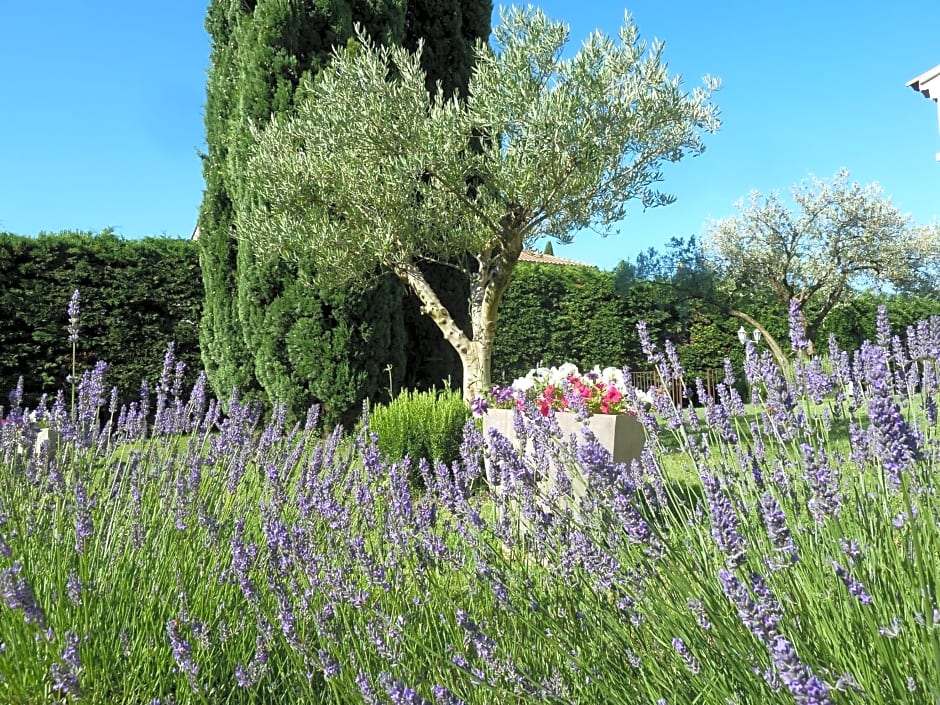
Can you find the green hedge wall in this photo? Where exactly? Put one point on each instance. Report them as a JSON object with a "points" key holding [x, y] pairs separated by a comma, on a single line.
{"points": [[554, 314], [136, 296]]}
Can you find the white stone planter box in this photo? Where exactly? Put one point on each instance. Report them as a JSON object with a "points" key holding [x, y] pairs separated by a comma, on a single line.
{"points": [[46, 446], [48, 438]]}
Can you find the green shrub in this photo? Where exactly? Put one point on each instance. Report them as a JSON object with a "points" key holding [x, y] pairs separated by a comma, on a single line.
{"points": [[421, 425]]}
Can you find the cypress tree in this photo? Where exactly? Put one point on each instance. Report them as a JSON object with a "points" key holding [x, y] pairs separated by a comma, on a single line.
{"points": [[267, 325], [224, 352]]}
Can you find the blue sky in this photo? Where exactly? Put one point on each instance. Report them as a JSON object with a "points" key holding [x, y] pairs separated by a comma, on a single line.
{"points": [[101, 119]]}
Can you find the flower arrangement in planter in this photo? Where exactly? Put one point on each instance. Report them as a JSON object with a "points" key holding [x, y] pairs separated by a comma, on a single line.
{"points": [[599, 400], [564, 388]]}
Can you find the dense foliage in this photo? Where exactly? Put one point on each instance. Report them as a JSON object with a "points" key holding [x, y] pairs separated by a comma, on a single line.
{"points": [[266, 320], [138, 295], [421, 426], [430, 360], [218, 558], [552, 314]]}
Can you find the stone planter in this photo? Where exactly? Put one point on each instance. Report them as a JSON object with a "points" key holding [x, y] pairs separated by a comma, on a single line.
{"points": [[45, 447], [49, 439], [621, 434]]}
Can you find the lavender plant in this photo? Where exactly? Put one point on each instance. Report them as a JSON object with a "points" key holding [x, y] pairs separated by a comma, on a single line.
{"points": [[169, 552]]}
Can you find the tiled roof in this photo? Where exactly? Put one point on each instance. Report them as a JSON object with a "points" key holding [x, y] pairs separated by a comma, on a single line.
{"points": [[538, 257]]}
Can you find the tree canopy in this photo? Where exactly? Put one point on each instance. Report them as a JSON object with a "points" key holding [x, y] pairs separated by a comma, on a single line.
{"points": [[370, 171], [840, 237]]}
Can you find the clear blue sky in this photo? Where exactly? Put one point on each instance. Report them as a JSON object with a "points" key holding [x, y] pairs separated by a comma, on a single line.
{"points": [[101, 112]]}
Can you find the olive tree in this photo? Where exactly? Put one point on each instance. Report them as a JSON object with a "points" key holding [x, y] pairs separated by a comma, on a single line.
{"points": [[841, 237], [371, 173]]}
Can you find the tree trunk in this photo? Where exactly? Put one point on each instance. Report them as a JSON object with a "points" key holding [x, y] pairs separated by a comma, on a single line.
{"points": [[487, 286], [475, 355], [477, 368]]}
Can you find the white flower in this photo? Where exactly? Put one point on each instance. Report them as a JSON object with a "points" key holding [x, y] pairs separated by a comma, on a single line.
{"points": [[614, 376], [523, 384], [566, 370]]}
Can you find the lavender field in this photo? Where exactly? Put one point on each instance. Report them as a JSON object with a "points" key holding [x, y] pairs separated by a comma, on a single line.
{"points": [[781, 548]]}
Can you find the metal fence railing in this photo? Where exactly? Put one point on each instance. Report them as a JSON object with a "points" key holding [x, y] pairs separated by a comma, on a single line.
{"points": [[647, 379]]}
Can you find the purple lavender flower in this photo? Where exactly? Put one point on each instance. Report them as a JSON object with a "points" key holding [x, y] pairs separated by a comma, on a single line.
{"points": [[855, 588], [445, 697], [805, 687], [896, 443], [634, 524], [182, 652], [328, 664], [66, 670], [649, 348], [369, 696], [675, 367], [91, 398], [851, 548], [73, 587], [798, 338], [826, 499], [930, 410], [687, 658], [484, 646], [718, 416], [818, 384], [286, 617], [73, 311], [17, 594], [893, 630], [724, 522], [778, 531], [16, 399], [698, 610], [479, 406], [760, 616], [882, 327], [83, 521], [248, 675], [399, 693]]}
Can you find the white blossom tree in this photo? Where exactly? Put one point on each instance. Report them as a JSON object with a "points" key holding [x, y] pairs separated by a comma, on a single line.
{"points": [[841, 237], [372, 174]]}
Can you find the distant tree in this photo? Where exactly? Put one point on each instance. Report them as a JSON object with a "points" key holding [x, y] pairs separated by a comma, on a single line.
{"points": [[841, 237], [369, 172], [675, 289], [549, 250], [665, 286], [267, 321]]}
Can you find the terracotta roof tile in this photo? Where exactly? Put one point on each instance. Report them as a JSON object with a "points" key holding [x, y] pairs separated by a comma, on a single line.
{"points": [[538, 257]]}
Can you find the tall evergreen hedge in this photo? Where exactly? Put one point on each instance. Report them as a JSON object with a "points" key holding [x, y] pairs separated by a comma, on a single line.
{"points": [[261, 318], [552, 314], [136, 296]]}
